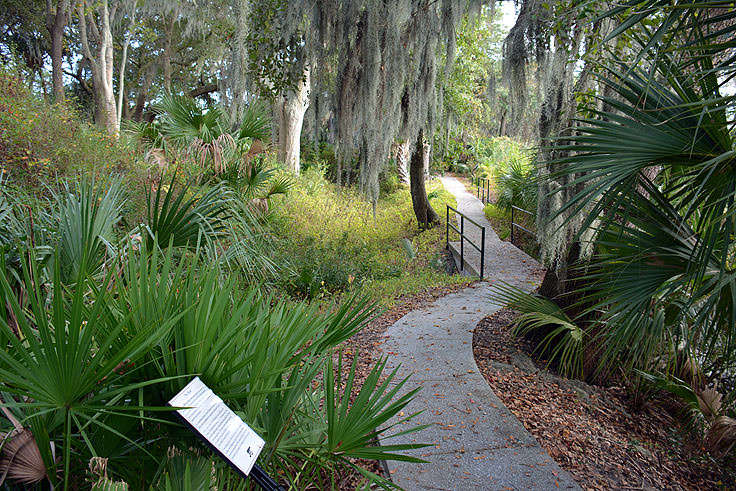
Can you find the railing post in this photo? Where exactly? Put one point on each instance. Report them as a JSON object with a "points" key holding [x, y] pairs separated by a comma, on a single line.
{"points": [[462, 242], [447, 228], [482, 249], [512, 224]]}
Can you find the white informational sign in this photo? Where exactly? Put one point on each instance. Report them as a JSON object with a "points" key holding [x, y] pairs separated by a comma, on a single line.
{"points": [[219, 425]]}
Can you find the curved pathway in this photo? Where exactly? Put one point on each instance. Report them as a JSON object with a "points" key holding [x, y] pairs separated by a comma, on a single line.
{"points": [[476, 443]]}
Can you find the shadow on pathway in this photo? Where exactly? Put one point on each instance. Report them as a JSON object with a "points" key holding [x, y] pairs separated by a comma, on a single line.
{"points": [[477, 444]]}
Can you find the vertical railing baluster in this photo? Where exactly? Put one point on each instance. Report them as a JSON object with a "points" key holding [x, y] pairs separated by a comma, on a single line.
{"points": [[447, 228], [512, 224], [462, 242], [482, 249]]}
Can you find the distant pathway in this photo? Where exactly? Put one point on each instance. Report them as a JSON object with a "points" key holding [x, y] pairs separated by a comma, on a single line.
{"points": [[476, 443]]}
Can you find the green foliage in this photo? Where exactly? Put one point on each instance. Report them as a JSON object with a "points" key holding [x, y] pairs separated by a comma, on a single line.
{"points": [[516, 185], [131, 341], [183, 120], [352, 425], [255, 122], [562, 340], [649, 172], [663, 274], [477, 63], [187, 474], [458, 157], [40, 142], [323, 161], [85, 222], [255, 180], [499, 153], [180, 217], [500, 219], [332, 243], [62, 362]]}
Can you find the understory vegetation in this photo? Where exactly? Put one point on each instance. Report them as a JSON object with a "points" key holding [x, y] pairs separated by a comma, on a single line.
{"points": [[330, 243], [120, 284]]}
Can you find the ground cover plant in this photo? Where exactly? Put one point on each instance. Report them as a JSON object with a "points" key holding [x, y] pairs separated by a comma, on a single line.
{"points": [[330, 242], [39, 143]]}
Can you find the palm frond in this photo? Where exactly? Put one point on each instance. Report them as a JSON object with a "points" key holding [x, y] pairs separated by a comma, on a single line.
{"points": [[179, 217], [563, 339], [86, 217], [255, 123]]}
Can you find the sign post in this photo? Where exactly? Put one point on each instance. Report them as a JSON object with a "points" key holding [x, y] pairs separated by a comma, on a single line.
{"points": [[223, 431]]}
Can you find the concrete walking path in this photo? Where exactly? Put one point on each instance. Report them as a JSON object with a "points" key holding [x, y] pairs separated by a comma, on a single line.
{"points": [[476, 443]]}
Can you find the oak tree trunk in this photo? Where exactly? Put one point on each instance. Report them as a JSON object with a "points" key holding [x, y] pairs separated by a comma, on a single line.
{"points": [[56, 22], [100, 62], [166, 56], [293, 106], [140, 98], [426, 216]]}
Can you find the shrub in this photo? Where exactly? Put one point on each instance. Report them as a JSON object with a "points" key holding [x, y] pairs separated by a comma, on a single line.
{"points": [[40, 142], [516, 185]]}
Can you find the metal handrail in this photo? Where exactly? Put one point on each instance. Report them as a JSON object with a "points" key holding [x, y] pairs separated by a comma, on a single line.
{"points": [[463, 238], [513, 224], [483, 189]]}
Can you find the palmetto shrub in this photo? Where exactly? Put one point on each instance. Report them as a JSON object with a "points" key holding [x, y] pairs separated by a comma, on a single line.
{"points": [[89, 358], [516, 185]]}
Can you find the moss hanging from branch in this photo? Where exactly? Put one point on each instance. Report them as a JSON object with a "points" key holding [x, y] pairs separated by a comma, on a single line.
{"points": [[382, 58]]}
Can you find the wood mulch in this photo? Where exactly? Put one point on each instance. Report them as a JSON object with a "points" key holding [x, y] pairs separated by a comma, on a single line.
{"points": [[593, 432]]}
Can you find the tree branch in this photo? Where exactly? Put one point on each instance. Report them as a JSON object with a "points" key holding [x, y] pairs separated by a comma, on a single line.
{"points": [[82, 81], [83, 33], [203, 90]]}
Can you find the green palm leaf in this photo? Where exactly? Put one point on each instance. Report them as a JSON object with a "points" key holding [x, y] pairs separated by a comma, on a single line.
{"points": [[563, 340]]}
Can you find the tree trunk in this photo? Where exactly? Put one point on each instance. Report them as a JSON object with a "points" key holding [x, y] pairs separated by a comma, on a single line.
{"points": [[315, 136], [56, 22], [101, 65], [140, 98], [426, 148], [400, 153], [426, 216], [123, 61], [166, 57], [293, 106], [502, 125]]}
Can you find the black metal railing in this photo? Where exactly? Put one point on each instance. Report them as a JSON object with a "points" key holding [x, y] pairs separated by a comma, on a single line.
{"points": [[483, 189], [464, 238], [517, 225]]}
